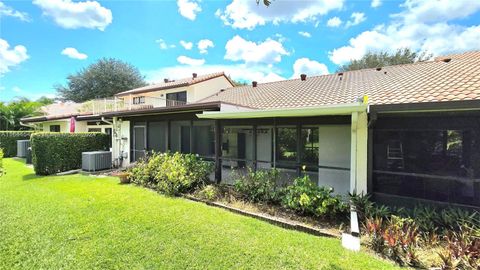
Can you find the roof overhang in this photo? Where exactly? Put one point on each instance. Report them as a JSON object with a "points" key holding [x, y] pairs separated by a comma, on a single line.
{"points": [[341, 109], [37, 119], [195, 107], [445, 106]]}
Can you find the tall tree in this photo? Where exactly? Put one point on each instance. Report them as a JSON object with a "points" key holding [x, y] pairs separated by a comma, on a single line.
{"points": [[104, 78], [12, 112], [384, 58]]}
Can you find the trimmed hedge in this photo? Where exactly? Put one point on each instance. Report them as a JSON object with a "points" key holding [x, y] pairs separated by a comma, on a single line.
{"points": [[2, 170], [8, 141], [54, 152]]}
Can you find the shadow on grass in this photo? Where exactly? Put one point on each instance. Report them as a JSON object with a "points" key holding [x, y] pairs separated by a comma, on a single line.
{"points": [[30, 176]]}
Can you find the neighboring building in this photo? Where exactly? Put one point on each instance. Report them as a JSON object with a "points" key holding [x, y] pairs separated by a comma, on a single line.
{"points": [[90, 116], [405, 133]]}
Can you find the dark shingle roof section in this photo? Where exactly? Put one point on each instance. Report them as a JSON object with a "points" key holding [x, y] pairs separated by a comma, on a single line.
{"points": [[431, 81], [174, 83]]}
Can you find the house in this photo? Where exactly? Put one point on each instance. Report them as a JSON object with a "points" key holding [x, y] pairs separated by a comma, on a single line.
{"points": [[403, 133], [89, 116]]}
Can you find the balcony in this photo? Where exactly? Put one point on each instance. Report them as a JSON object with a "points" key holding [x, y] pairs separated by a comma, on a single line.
{"points": [[103, 105]]}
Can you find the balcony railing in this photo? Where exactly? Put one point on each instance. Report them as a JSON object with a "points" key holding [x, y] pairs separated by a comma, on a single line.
{"points": [[171, 103], [98, 106]]}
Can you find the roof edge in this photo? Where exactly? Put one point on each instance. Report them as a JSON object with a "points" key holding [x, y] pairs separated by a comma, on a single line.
{"points": [[339, 109]]}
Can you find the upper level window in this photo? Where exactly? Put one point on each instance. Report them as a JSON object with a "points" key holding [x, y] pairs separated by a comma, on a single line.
{"points": [[178, 98], [139, 100]]}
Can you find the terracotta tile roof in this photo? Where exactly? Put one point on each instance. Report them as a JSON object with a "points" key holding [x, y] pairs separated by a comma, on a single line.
{"points": [[61, 108], [431, 81], [174, 83]]}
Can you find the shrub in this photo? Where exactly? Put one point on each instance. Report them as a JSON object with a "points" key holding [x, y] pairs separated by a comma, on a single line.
{"points": [[8, 141], [209, 192], [462, 249], [307, 198], [395, 238], [58, 152], [259, 186], [139, 174], [2, 170], [171, 174]]}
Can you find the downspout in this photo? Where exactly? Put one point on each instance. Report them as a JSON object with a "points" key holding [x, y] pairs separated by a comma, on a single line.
{"points": [[28, 125], [108, 122]]}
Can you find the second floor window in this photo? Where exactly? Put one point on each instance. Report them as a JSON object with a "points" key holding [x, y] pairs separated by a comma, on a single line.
{"points": [[139, 100], [178, 98]]}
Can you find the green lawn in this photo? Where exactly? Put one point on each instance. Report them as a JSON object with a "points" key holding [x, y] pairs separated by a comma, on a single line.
{"points": [[82, 222]]}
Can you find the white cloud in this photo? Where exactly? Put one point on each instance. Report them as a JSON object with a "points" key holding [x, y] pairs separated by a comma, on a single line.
{"points": [[246, 14], [305, 34], [417, 30], [11, 57], [186, 45], [376, 3], [16, 89], [357, 18], [270, 51], [204, 44], [189, 8], [190, 61], [240, 72], [309, 67], [10, 12], [73, 15], [334, 22], [163, 44], [437, 11], [73, 53]]}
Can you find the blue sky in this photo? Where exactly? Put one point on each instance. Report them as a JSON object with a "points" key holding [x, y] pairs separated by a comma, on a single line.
{"points": [[43, 41]]}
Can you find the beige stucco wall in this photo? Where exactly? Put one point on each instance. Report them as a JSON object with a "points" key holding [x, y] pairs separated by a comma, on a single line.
{"points": [[210, 87], [195, 92], [334, 151], [64, 125]]}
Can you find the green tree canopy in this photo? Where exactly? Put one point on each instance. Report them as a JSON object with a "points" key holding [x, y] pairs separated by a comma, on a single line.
{"points": [[384, 58], [12, 112], [104, 78]]}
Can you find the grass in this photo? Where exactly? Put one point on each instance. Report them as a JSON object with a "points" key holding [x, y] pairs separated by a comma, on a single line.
{"points": [[84, 222]]}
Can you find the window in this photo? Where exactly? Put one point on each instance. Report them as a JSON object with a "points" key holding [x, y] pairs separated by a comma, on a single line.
{"points": [[438, 152], [180, 136], [55, 128], [237, 145], [139, 100], [178, 98], [108, 131], [287, 144], [309, 145], [439, 165], [204, 138], [94, 130], [157, 136]]}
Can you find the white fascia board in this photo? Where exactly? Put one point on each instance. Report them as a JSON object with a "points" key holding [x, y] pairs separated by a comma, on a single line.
{"points": [[343, 109]]}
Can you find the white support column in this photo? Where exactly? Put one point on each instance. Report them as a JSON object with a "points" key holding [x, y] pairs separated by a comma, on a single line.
{"points": [[362, 152], [353, 153], [359, 153]]}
